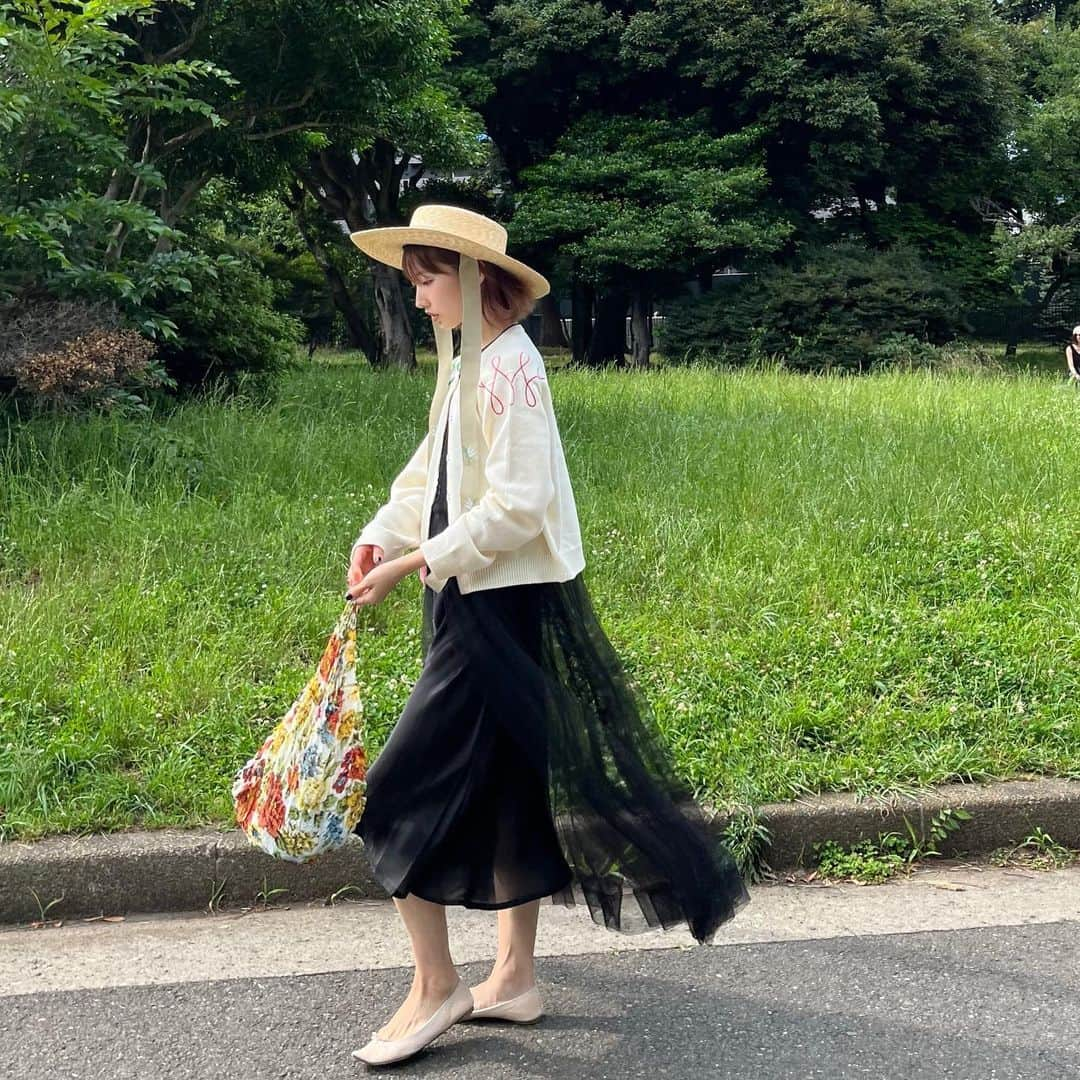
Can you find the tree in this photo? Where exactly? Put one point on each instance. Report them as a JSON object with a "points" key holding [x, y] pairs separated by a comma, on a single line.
{"points": [[316, 91], [856, 103], [637, 204], [74, 213], [1037, 223], [367, 87]]}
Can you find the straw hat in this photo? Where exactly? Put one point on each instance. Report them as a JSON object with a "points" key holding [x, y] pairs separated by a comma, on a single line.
{"points": [[450, 227]]}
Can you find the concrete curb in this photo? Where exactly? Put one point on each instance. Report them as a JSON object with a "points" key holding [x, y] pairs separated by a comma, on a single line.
{"points": [[184, 869]]}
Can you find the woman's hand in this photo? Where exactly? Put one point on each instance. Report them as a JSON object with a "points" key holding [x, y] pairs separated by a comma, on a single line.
{"points": [[364, 559], [377, 583], [374, 586]]}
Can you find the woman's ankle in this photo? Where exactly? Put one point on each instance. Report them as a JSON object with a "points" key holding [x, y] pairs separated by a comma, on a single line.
{"points": [[437, 983], [513, 974]]}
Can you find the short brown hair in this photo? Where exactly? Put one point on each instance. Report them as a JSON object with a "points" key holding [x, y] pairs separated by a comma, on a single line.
{"points": [[503, 296]]}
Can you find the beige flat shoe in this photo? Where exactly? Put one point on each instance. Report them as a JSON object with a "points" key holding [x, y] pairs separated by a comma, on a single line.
{"points": [[526, 1008], [386, 1051]]}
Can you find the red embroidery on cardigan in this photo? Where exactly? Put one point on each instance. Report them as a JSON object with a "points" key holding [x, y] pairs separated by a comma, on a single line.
{"points": [[531, 397]]}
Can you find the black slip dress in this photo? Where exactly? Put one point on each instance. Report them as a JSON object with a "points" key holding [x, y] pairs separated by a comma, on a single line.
{"points": [[526, 764]]}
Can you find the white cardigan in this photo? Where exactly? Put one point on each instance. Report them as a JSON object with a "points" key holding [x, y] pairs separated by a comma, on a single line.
{"points": [[525, 527]]}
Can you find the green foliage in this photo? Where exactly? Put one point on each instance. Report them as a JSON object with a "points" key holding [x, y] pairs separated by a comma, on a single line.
{"points": [[665, 141], [865, 862], [228, 324], [265, 228], [69, 82], [301, 293], [747, 836], [116, 114], [961, 253], [1039, 851], [1037, 220], [870, 862], [905, 352], [913, 99], [831, 310], [898, 349], [630, 196]]}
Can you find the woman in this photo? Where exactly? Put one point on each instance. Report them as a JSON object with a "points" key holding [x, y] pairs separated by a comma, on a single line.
{"points": [[1072, 355], [525, 764]]}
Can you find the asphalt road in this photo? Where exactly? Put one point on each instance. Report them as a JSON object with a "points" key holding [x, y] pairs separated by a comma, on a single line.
{"points": [[987, 1004]]}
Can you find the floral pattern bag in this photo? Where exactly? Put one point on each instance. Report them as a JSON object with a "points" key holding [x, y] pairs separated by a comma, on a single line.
{"points": [[303, 792]]}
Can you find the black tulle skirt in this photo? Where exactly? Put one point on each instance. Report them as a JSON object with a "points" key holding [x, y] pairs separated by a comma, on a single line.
{"points": [[526, 764]]}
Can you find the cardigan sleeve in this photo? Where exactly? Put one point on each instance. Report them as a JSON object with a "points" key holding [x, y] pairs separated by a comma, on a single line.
{"points": [[520, 484], [396, 524]]}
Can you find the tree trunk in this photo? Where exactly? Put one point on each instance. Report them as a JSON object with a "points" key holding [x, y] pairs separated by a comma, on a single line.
{"points": [[1018, 299], [172, 212], [361, 335], [1012, 327], [342, 185], [641, 337], [581, 301], [608, 343], [868, 222], [551, 327], [397, 337]]}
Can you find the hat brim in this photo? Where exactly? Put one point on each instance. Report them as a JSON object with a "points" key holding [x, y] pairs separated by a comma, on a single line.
{"points": [[386, 246]]}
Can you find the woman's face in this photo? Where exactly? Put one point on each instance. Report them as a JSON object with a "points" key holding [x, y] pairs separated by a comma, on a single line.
{"points": [[438, 293]]}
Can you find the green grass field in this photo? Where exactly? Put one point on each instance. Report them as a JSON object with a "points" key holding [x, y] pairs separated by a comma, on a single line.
{"points": [[820, 583]]}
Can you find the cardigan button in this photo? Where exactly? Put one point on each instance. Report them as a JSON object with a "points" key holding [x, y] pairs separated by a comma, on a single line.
{"points": [[470, 452], [469, 504]]}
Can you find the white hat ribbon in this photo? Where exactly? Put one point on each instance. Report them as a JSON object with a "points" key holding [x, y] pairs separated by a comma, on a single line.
{"points": [[472, 478]]}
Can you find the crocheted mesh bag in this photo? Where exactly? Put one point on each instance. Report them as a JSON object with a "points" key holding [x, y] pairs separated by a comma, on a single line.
{"points": [[303, 792]]}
